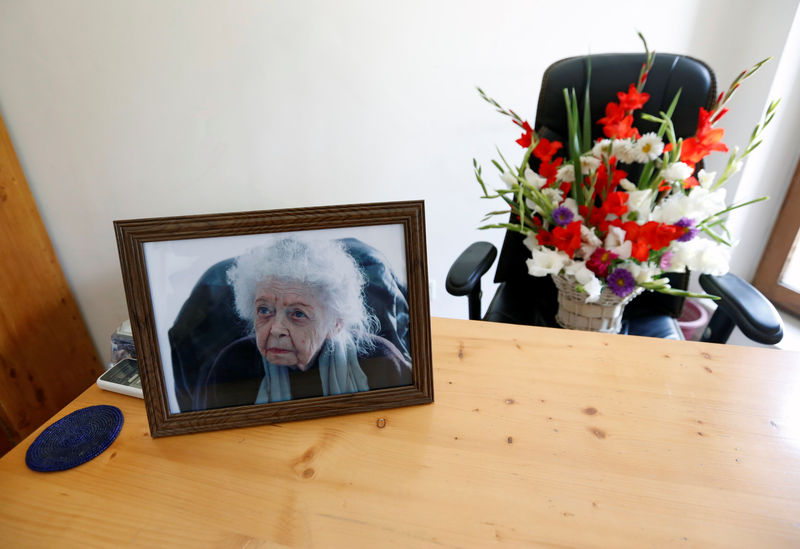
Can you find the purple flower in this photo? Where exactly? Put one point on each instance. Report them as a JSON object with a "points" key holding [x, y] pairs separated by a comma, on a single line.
{"points": [[562, 216], [691, 230], [621, 282]]}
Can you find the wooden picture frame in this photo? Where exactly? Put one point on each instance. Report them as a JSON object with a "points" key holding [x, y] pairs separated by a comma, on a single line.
{"points": [[186, 326]]}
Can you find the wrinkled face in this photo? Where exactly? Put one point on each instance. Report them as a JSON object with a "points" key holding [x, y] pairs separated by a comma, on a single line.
{"points": [[290, 323]]}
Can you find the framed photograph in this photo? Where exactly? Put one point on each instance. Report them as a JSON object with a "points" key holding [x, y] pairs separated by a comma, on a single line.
{"points": [[260, 317]]}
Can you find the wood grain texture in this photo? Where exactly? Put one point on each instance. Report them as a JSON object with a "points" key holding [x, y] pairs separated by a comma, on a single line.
{"points": [[46, 355], [778, 248], [133, 235], [538, 438]]}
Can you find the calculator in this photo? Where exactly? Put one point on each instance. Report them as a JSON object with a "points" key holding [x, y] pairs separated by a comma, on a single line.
{"points": [[122, 377]]}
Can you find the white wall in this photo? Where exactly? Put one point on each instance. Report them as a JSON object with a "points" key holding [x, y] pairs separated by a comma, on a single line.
{"points": [[135, 109]]}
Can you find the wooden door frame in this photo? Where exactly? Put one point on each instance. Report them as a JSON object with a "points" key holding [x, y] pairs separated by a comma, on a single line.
{"points": [[777, 250]]}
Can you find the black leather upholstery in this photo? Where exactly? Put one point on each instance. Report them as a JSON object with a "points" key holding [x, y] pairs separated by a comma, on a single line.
{"points": [[741, 305]]}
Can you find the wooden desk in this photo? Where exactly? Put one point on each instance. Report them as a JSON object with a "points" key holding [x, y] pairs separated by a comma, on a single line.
{"points": [[537, 437]]}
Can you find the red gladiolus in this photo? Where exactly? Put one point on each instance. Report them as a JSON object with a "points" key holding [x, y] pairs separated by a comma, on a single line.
{"points": [[544, 238], [650, 236], [597, 218], [632, 100], [545, 149], [525, 139], [690, 182], [549, 169], [602, 184], [640, 250], [706, 140], [643, 77], [618, 121], [568, 239], [616, 203]]}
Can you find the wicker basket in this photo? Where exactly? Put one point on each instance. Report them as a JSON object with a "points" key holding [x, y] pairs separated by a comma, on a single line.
{"points": [[604, 315]]}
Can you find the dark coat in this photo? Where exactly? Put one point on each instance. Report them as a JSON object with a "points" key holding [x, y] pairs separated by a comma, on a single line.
{"points": [[235, 378]]}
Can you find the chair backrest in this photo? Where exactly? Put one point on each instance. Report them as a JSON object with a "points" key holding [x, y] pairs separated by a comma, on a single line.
{"points": [[612, 73], [208, 322]]}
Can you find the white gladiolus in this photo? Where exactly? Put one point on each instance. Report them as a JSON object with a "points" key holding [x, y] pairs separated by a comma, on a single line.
{"points": [[616, 243], [706, 179], [553, 194], [677, 171], [703, 256], [566, 173], [544, 262], [622, 149], [589, 242], [530, 242], [642, 272], [589, 164], [699, 204], [588, 236], [639, 202], [586, 279], [534, 179], [586, 250], [624, 250], [614, 238], [626, 185], [508, 179], [594, 288], [572, 206]]}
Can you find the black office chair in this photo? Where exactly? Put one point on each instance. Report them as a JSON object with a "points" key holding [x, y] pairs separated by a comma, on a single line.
{"points": [[524, 299]]}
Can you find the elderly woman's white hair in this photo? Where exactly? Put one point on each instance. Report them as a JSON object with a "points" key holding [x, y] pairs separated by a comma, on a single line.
{"points": [[323, 266]]}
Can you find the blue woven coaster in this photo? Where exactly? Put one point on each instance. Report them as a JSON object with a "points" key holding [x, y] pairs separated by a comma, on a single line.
{"points": [[75, 439]]}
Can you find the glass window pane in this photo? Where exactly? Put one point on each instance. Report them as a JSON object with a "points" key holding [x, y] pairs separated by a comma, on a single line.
{"points": [[790, 276]]}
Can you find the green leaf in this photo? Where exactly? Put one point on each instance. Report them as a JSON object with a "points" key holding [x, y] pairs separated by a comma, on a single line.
{"points": [[586, 142]]}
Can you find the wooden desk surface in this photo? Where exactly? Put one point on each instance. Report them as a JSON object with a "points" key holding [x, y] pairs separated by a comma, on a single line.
{"points": [[537, 437]]}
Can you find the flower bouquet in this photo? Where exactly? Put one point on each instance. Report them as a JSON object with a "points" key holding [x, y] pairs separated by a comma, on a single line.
{"points": [[603, 235]]}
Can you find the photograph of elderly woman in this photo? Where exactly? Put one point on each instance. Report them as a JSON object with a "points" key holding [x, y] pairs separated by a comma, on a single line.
{"points": [[279, 317]]}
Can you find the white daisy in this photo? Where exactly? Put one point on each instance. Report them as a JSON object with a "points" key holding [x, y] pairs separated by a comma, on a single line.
{"points": [[647, 148]]}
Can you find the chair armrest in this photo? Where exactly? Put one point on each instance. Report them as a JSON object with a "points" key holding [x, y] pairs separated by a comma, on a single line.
{"points": [[468, 268], [464, 276], [755, 316]]}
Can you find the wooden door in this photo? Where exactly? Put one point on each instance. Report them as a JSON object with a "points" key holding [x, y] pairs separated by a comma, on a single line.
{"points": [[46, 355]]}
